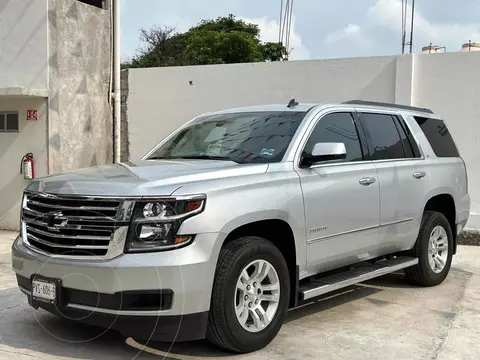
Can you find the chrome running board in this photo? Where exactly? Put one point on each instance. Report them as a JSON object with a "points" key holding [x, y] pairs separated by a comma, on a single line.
{"points": [[320, 286]]}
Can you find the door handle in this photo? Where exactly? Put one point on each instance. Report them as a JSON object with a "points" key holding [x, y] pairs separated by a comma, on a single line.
{"points": [[367, 181], [419, 174]]}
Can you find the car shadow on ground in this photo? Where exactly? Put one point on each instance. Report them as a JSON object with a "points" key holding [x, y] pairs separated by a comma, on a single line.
{"points": [[43, 333], [397, 280]]}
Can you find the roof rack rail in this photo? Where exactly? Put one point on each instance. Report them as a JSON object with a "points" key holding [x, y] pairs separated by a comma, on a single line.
{"points": [[375, 103]]}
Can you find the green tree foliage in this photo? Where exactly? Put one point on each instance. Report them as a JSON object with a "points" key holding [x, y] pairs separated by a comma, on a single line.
{"points": [[273, 51], [225, 40]]}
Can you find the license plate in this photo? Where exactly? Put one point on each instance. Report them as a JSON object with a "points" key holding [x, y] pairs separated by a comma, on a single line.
{"points": [[44, 290]]}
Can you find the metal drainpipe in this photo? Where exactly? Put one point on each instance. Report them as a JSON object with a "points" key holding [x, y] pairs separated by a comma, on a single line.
{"points": [[116, 82]]}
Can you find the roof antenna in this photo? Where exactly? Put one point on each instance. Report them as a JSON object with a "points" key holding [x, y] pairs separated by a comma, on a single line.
{"points": [[292, 103]]}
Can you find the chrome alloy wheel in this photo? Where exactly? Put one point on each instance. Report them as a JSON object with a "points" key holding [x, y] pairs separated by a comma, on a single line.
{"points": [[257, 295], [438, 249]]}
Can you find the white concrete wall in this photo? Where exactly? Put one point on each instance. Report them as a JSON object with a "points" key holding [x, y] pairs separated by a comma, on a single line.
{"points": [[161, 99], [32, 137], [449, 84], [23, 44]]}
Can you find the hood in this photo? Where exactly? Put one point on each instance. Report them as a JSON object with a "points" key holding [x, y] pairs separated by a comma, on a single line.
{"points": [[152, 177]]}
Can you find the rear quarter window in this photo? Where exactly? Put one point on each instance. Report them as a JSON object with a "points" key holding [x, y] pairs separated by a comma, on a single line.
{"points": [[438, 136]]}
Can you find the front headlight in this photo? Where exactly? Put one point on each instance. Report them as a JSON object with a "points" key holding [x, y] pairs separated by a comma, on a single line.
{"points": [[155, 223]]}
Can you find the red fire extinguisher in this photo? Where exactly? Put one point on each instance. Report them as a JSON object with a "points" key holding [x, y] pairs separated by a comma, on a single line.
{"points": [[28, 167]]}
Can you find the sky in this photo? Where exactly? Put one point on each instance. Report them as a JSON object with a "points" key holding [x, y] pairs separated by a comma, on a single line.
{"points": [[321, 28]]}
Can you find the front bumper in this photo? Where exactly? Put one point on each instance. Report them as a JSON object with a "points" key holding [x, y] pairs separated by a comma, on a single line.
{"points": [[103, 293]]}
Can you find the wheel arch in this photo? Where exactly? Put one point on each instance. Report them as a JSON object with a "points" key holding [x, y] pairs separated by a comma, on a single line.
{"points": [[445, 203], [280, 233]]}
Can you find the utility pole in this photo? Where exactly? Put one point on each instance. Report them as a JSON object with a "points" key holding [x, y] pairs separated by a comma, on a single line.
{"points": [[411, 26], [404, 26]]}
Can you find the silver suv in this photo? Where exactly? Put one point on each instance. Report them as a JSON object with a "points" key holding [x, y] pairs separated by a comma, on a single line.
{"points": [[240, 215]]}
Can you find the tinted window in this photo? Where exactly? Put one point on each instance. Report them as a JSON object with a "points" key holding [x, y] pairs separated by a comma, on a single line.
{"points": [[254, 137], [337, 127], [12, 122], [407, 148], [410, 143], [382, 136], [97, 3], [439, 137]]}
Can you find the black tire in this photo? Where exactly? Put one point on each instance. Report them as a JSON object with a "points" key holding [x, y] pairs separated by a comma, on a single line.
{"points": [[422, 274], [223, 329]]}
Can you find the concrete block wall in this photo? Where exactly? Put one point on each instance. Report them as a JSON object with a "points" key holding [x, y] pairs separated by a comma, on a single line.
{"points": [[80, 115]]}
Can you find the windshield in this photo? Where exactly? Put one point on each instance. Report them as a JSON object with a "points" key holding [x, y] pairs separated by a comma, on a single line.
{"points": [[254, 137]]}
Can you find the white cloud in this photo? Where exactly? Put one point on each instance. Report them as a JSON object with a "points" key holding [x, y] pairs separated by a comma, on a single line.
{"points": [[386, 13], [384, 19], [269, 30], [351, 31]]}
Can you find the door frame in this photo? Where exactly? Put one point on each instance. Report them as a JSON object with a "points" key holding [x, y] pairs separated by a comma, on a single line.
{"points": [[364, 148]]}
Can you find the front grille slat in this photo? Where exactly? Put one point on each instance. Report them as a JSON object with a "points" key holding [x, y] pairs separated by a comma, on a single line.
{"points": [[76, 218], [78, 228], [69, 225], [62, 207], [61, 236], [56, 245]]}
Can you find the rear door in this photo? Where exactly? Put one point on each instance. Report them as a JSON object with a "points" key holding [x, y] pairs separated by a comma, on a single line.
{"points": [[401, 174]]}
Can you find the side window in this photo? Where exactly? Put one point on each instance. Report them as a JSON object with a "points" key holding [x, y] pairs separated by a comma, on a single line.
{"points": [[410, 142], [407, 148], [337, 127], [9, 122], [97, 3], [383, 139], [439, 137]]}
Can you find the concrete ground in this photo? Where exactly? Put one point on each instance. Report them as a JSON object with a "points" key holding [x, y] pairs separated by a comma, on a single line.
{"points": [[382, 319]]}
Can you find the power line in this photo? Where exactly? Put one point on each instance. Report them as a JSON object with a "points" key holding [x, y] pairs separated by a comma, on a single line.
{"points": [[289, 32], [286, 18], [280, 27]]}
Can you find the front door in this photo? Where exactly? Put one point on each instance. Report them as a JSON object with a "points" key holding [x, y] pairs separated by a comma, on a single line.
{"points": [[341, 199]]}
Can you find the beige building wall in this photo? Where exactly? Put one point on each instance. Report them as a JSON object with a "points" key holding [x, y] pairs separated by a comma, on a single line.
{"points": [[32, 137], [55, 57], [23, 44]]}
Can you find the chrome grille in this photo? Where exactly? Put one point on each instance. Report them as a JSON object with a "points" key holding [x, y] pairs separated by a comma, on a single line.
{"points": [[68, 225]]}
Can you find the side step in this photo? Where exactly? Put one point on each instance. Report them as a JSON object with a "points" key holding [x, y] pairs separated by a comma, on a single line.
{"points": [[320, 286]]}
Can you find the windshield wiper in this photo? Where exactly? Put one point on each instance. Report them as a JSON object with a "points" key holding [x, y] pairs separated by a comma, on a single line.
{"points": [[199, 157]]}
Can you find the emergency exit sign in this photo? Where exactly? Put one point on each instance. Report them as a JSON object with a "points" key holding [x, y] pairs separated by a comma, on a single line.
{"points": [[32, 115]]}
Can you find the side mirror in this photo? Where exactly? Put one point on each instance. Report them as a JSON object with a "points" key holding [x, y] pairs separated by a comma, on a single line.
{"points": [[325, 152]]}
